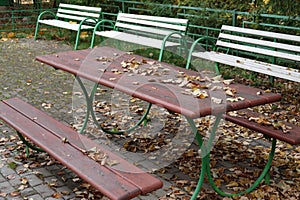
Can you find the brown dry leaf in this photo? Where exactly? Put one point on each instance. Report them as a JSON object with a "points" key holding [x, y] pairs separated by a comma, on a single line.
{"points": [[3, 194], [24, 180], [56, 195], [14, 194]]}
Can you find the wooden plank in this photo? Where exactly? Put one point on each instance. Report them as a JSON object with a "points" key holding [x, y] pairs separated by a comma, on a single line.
{"points": [[66, 25], [78, 18], [151, 42], [142, 180], [80, 13], [258, 50], [252, 65], [103, 179], [155, 18], [261, 33], [249, 40], [87, 8], [152, 23], [157, 31], [291, 137]]}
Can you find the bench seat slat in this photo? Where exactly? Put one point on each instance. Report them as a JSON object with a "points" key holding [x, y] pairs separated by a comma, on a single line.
{"points": [[261, 33], [276, 45], [258, 50], [292, 137], [100, 177], [133, 176], [156, 43], [63, 24], [252, 65]]}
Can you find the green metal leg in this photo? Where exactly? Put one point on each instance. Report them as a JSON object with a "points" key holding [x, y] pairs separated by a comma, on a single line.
{"points": [[205, 153], [89, 104], [36, 30], [28, 145], [205, 150]]}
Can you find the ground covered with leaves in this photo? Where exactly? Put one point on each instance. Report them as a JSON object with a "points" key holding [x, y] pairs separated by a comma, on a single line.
{"points": [[237, 159]]}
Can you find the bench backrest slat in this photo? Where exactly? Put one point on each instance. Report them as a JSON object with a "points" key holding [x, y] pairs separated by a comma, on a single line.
{"points": [[281, 36], [155, 18], [276, 45], [259, 50], [151, 24], [143, 29], [77, 7], [78, 13], [77, 18]]}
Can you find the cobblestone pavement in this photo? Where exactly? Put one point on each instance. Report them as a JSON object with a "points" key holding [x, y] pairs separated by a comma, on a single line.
{"points": [[39, 177]]}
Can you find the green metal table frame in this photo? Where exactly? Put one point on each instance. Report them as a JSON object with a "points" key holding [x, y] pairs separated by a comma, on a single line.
{"points": [[205, 148]]}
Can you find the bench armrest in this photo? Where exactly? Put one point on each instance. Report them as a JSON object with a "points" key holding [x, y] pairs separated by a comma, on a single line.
{"points": [[181, 37], [45, 13], [205, 38], [96, 28]]}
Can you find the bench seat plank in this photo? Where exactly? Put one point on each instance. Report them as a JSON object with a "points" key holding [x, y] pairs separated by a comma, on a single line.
{"points": [[63, 24], [242, 119], [259, 50], [252, 65], [124, 179], [127, 37]]}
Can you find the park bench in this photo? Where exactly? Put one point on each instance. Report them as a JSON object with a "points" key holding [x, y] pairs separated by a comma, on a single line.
{"points": [[112, 175], [72, 17], [246, 48], [151, 31]]}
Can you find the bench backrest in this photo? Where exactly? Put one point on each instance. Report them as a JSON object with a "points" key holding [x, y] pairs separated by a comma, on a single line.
{"points": [[250, 41], [78, 13], [150, 25]]}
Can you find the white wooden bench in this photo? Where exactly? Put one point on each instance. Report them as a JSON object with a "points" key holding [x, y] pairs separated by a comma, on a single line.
{"points": [[251, 48], [248, 48], [151, 31], [72, 17]]}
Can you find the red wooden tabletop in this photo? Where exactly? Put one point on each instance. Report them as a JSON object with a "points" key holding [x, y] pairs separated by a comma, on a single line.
{"points": [[157, 82]]}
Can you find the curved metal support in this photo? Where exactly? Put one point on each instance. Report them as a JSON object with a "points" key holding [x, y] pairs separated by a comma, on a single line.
{"points": [[205, 150], [163, 46], [90, 111], [188, 63], [264, 174], [97, 26], [28, 145], [79, 29], [205, 153], [38, 19]]}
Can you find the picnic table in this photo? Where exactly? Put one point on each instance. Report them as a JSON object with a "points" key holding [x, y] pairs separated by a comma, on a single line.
{"points": [[189, 93]]}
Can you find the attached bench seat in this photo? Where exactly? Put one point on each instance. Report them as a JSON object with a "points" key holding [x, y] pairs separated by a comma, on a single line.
{"points": [[286, 132], [71, 17], [119, 181], [144, 30]]}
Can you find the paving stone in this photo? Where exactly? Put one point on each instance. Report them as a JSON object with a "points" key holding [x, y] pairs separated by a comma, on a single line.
{"points": [[28, 192], [33, 180], [35, 197], [6, 170], [6, 187], [44, 190]]}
